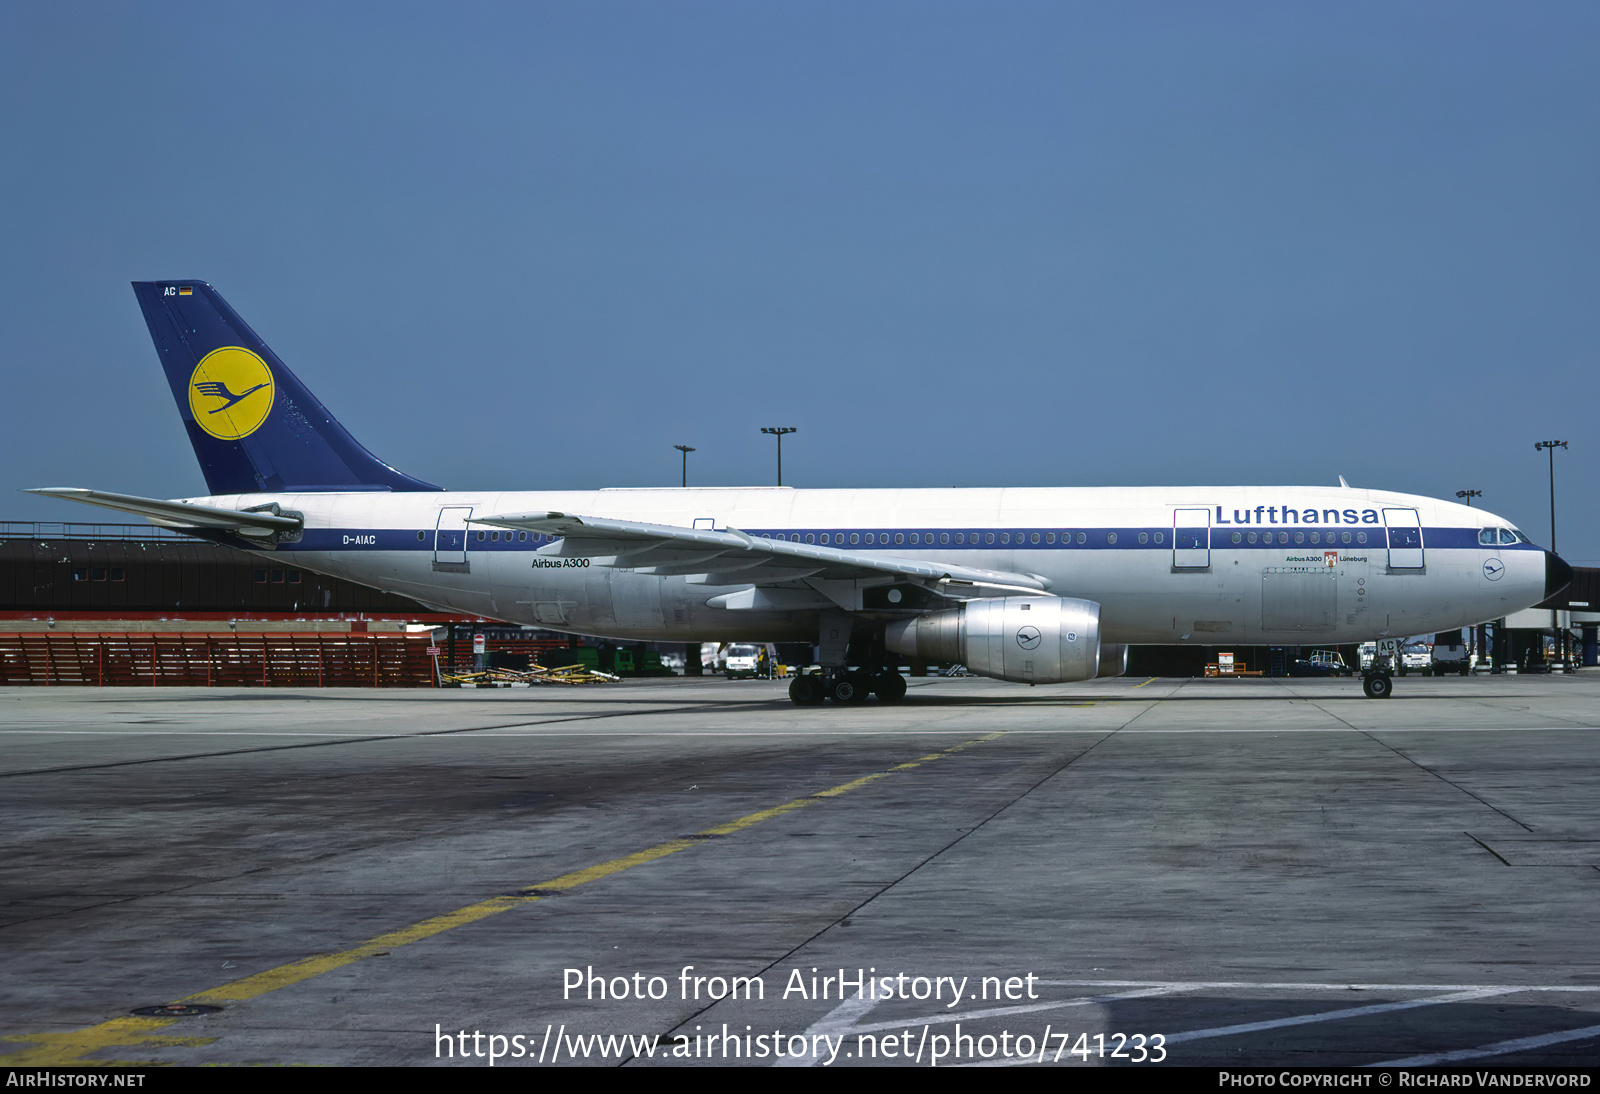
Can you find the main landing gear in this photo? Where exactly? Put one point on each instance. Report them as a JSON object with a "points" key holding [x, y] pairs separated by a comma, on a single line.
{"points": [[846, 688], [838, 649]]}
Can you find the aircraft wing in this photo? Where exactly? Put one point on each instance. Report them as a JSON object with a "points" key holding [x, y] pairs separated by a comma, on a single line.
{"points": [[177, 514], [730, 557]]}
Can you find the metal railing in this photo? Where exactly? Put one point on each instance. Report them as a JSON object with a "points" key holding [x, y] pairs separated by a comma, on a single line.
{"points": [[51, 529], [217, 660]]}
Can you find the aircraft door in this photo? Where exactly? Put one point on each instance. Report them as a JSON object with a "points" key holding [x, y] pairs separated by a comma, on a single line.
{"points": [[1405, 539], [1191, 539], [450, 539]]}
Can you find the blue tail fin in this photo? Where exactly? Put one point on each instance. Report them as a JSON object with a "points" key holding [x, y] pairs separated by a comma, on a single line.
{"points": [[254, 426]]}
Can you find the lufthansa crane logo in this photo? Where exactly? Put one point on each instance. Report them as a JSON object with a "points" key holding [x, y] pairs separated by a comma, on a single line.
{"points": [[230, 393], [1494, 569], [1028, 637]]}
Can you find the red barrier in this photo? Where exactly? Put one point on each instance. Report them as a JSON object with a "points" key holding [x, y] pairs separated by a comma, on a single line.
{"points": [[216, 660]]}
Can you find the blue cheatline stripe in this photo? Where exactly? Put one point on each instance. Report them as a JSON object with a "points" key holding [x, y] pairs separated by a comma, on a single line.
{"points": [[939, 539]]}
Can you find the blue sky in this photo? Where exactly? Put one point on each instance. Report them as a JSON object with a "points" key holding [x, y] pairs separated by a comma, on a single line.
{"points": [[535, 245]]}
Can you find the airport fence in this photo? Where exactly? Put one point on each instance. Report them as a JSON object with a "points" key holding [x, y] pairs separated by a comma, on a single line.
{"points": [[216, 660]]}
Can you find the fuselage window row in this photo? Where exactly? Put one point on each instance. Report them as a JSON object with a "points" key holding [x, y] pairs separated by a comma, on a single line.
{"points": [[1488, 537], [946, 539], [1300, 537]]}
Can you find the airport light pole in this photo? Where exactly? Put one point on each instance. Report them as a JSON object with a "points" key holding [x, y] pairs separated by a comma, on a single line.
{"points": [[1555, 616], [1469, 495], [778, 431], [1551, 447], [685, 449]]}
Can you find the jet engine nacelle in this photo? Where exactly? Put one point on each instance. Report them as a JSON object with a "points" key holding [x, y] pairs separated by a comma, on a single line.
{"points": [[1024, 639]]}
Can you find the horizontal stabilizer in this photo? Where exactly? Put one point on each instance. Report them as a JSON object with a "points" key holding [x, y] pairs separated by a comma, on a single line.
{"points": [[177, 513], [729, 550]]}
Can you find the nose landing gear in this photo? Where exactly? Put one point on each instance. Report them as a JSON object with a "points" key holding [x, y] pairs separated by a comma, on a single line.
{"points": [[1377, 685]]}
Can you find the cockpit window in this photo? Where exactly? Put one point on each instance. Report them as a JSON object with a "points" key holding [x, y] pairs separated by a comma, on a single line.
{"points": [[1507, 536], [1486, 537]]}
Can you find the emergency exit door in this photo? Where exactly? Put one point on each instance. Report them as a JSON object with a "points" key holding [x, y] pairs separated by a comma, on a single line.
{"points": [[450, 539], [1191, 539]]}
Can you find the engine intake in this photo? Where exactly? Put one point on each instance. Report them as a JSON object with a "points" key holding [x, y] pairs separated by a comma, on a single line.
{"points": [[1024, 639]]}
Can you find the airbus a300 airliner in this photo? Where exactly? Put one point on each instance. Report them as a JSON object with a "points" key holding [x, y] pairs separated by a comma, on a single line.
{"points": [[1031, 585]]}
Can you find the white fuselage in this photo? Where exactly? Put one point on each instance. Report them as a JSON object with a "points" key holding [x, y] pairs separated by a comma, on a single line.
{"points": [[1168, 565]]}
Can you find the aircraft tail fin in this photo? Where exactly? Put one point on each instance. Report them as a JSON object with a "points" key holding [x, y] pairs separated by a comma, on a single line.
{"points": [[254, 426]]}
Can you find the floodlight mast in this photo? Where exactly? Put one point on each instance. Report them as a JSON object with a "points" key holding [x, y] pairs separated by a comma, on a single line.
{"points": [[778, 431], [685, 449], [1469, 495], [1551, 446]]}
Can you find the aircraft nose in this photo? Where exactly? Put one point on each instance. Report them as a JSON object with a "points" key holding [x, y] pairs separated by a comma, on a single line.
{"points": [[1557, 574]]}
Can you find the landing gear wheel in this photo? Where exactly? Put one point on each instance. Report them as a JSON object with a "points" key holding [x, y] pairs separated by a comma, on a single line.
{"points": [[890, 687], [805, 691], [1377, 686], [849, 688]]}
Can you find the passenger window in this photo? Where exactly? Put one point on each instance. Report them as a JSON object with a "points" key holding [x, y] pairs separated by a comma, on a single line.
{"points": [[1144, 537], [988, 537], [1160, 537], [1083, 537], [855, 537], [810, 538], [914, 538], [1111, 537], [1034, 538], [1251, 536], [944, 537], [1361, 537], [1236, 537], [1316, 537], [1049, 537], [899, 537], [1344, 537], [1299, 537], [1005, 537]]}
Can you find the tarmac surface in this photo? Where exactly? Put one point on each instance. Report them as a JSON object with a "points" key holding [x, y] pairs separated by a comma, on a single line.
{"points": [[1212, 872]]}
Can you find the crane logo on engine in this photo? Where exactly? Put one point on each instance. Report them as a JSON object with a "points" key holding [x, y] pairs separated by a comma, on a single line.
{"points": [[1028, 637]]}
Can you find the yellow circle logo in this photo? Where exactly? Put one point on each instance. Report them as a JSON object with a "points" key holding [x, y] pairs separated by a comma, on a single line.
{"points": [[230, 393]]}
